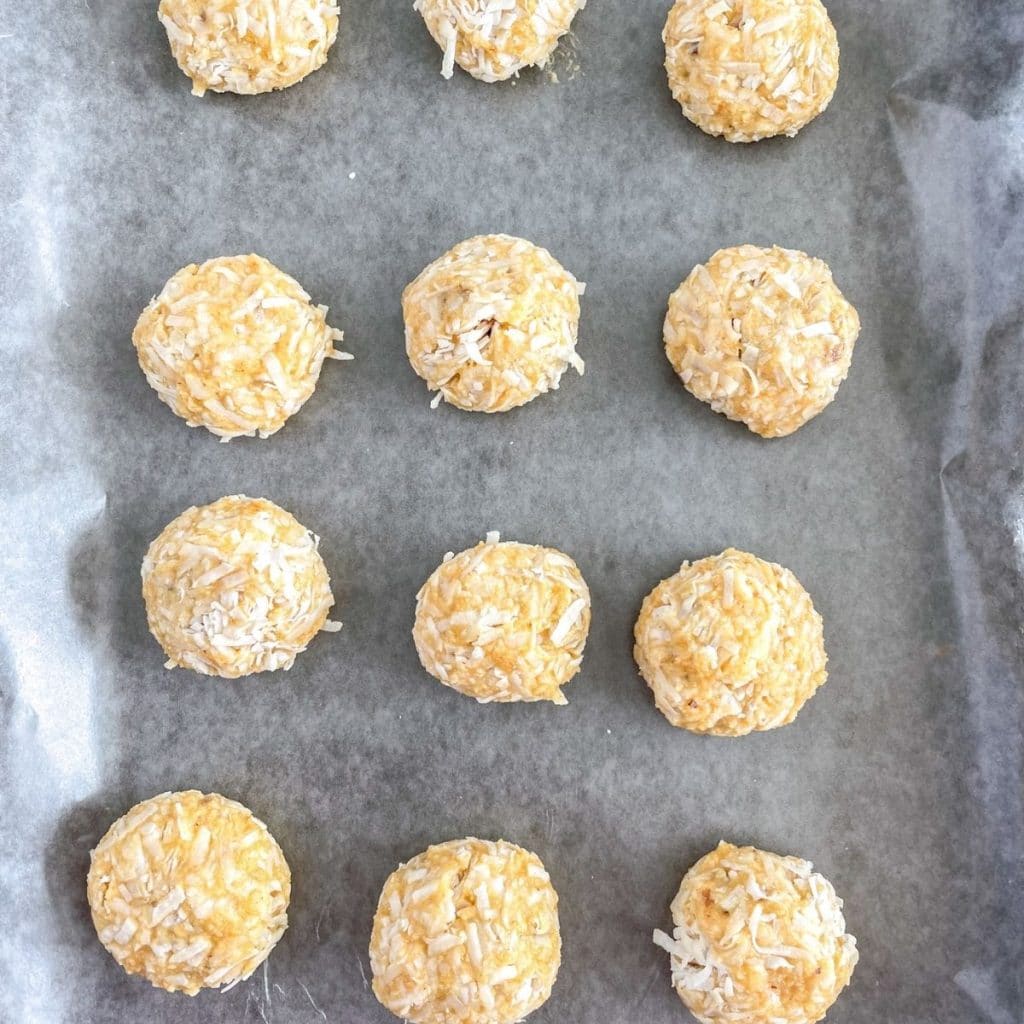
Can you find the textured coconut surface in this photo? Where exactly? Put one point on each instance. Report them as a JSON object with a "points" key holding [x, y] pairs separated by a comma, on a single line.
{"points": [[248, 46], [762, 335], [751, 69], [495, 39], [504, 622], [234, 345], [729, 645], [757, 937], [466, 931], [898, 508], [236, 587], [189, 890], [492, 323]]}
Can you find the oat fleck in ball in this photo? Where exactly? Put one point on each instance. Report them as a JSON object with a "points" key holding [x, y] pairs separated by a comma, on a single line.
{"points": [[234, 345], [466, 933], [504, 622], [762, 335], [248, 46], [751, 69], [495, 39], [190, 891], [236, 587], [758, 939], [730, 645], [492, 324]]}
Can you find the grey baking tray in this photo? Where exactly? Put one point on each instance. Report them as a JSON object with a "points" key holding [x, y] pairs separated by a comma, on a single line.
{"points": [[900, 508]]}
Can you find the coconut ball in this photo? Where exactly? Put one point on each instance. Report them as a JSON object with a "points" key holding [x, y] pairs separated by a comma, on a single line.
{"points": [[495, 39], [234, 345], [492, 324], [466, 933], [729, 645], [751, 69], [236, 587], [758, 939], [190, 891], [504, 622], [248, 46], [762, 335]]}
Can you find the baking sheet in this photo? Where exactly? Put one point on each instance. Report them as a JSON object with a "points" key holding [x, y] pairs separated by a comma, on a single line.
{"points": [[901, 509]]}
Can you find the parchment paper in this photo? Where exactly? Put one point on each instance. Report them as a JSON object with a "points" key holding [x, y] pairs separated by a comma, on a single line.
{"points": [[901, 509]]}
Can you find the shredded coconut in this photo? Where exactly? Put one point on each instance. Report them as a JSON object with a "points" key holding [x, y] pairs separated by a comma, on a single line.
{"points": [[495, 39], [234, 345], [248, 46], [751, 69], [757, 937], [492, 324], [729, 645], [190, 891], [762, 335], [466, 932], [504, 622], [236, 587]]}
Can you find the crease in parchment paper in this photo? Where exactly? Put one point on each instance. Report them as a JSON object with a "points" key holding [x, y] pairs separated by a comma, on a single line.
{"points": [[960, 137]]}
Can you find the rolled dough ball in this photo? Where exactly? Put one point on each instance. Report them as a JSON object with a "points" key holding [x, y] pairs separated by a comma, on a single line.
{"points": [[495, 39], [729, 645], [234, 345], [466, 933], [190, 891], [751, 69], [762, 335], [504, 622], [758, 939], [248, 46], [492, 324], [236, 587]]}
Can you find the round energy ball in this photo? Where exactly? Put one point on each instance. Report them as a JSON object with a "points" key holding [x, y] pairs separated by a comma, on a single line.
{"points": [[466, 933], [234, 345], [236, 587], [492, 324], [495, 39], [248, 46], [758, 939], [751, 69], [730, 645], [504, 622], [190, 891], [762, 335]]}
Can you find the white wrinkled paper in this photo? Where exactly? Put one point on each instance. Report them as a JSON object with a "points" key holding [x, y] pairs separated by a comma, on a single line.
{"points": [[899, 509]]}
